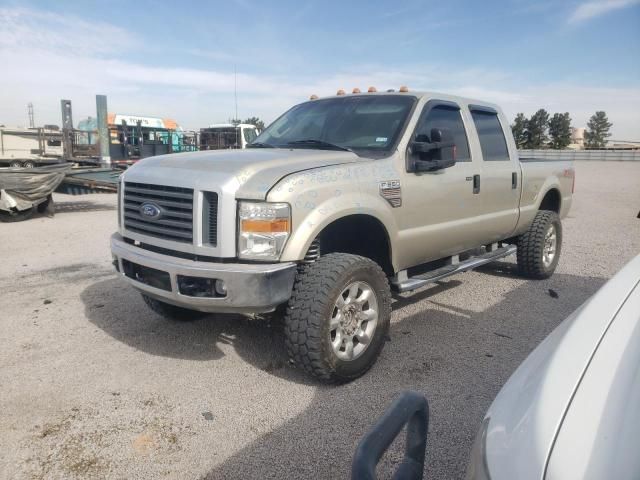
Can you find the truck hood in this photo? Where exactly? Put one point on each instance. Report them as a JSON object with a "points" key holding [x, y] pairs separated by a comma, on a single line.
{"points": [[249, 173]]}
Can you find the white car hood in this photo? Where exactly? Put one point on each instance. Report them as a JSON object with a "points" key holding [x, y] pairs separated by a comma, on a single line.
{"points": [[525, 417]]}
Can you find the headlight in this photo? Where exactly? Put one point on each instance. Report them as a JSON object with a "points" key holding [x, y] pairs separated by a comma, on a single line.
{"points": [[263, 229]]}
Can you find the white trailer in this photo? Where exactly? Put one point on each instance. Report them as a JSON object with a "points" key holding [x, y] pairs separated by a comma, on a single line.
{"points": [[30, 147]]}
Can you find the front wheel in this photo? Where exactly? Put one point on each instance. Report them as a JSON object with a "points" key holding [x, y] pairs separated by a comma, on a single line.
{"points": [[539, 247], [337, 319]]}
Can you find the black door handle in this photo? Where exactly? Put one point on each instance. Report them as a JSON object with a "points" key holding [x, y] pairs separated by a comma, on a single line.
{"points": [[514, 180], [476, 184]]}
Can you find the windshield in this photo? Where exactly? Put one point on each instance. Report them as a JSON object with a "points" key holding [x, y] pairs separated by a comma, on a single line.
{"points": [[367, 123]]}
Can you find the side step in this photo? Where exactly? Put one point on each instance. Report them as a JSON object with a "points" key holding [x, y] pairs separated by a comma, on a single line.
{"points": [[402, 283]]}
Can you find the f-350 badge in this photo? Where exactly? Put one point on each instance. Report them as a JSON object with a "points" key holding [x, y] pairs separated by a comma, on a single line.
{"points": [[390, 190]]}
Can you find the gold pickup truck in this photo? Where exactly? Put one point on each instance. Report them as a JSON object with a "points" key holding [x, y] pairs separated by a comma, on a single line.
{"points": [[336, 203]]}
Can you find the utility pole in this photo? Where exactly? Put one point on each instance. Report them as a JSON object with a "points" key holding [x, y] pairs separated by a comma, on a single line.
{"points": [[32, 122]]}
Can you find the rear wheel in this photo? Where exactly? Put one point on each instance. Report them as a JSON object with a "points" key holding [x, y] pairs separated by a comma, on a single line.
{"points": [[337, 319], [171, 312], [539, 247], [16, 164], [29, 164]]}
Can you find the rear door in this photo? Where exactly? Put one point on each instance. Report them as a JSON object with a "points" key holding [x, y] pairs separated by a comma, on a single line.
{"points": [[499, 176]]}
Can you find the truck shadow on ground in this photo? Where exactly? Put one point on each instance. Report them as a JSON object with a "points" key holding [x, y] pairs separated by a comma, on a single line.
{"points": [[458, 357], [118, 309]]}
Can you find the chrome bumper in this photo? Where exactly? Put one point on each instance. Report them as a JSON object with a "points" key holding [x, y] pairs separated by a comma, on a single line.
{"points": [[251, 288]]}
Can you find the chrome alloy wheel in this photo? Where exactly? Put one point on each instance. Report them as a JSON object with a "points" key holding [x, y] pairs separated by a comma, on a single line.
{"points": [[550, 246], [353, 321]]}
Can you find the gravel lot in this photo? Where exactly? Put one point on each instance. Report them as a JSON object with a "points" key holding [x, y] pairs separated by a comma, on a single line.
{"points": [[95, 385]]}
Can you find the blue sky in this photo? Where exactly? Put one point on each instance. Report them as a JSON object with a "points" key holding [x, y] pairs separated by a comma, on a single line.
{"points": [[177, 59]]}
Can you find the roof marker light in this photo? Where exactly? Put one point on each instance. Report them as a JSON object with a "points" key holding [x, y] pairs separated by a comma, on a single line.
{"points": [[356, 90], [372, 90], [340, 92], [313, 97], [404, 89]]}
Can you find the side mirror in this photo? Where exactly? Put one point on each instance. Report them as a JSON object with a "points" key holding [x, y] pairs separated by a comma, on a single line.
{"points": [[437, 154]]}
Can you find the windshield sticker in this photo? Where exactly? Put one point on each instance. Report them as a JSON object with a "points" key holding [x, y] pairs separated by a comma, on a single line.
{"points": [[381, 139]]}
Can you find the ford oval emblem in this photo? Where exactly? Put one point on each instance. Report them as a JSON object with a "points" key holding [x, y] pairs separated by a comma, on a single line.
{"points": [[150, 211]]}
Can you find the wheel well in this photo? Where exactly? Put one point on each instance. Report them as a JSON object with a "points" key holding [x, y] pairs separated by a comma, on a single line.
{"points": [[361, 235], [551, 201]]}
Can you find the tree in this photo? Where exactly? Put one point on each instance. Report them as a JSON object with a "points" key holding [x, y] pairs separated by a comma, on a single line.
{"points": [[519, 130], [255, 121], [560, 130], [537, 129], [597, 131]]}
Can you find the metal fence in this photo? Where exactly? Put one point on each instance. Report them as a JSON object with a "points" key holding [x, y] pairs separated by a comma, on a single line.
{"points": [[598, 155]]}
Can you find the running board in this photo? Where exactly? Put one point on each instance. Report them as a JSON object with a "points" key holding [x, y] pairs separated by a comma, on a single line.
{"points": [[406, 284]]}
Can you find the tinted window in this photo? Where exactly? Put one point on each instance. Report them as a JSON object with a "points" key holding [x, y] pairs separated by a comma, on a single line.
{"points": [[492, 141], [445, 118]]}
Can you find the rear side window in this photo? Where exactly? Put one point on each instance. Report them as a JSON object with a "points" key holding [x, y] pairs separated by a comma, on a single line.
{"points": [[443, 117], [492, 141]]}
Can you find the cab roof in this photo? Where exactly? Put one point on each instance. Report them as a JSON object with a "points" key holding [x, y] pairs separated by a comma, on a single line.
{"points": [[466, 101]]}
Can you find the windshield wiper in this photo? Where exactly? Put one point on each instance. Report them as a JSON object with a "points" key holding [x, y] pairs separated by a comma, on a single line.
{"points": [[319, 143], [260, 145]]}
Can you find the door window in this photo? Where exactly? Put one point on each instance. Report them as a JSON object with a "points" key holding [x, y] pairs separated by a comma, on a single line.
{"points": [[443, 117], [492, 141]]}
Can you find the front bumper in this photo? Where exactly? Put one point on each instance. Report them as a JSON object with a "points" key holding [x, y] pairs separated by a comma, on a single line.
{"points": [[251, 288]]}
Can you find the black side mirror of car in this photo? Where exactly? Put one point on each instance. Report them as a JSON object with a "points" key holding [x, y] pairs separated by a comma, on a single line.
{"points": [[437, 154], [410, 409]]}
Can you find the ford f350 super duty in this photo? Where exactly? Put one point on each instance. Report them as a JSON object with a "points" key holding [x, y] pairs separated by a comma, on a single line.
{"points": [[336, 203]]}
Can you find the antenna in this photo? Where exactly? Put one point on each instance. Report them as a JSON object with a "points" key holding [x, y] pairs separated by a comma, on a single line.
{"points": [[235, 89], [32, 123], [235, 94]]}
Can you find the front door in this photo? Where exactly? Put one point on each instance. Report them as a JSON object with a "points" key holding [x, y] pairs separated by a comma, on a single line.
{"points": [[440, 208]]}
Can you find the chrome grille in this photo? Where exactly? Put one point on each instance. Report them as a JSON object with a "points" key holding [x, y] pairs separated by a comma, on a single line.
{"points": [[175, 221]]}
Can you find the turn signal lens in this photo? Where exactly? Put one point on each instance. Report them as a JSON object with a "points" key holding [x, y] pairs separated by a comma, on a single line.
{"points": [[278, 225]]}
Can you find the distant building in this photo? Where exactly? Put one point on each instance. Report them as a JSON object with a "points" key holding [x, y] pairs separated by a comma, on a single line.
{"points": [[577, 139]]}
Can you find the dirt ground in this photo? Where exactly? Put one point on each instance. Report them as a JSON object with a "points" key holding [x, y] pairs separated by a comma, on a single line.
{"points": [[94, 385]]}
